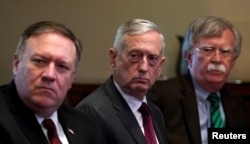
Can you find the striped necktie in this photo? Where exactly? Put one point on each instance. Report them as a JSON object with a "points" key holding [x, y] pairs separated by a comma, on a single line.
{"points": [[216, 118]]}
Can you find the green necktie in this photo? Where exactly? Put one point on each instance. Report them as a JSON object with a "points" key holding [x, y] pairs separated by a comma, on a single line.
{"points": [[216, 118]]}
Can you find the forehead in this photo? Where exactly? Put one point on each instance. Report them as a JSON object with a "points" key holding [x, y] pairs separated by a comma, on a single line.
{"points": [[148, 42], [226, 38], [51, 44]]}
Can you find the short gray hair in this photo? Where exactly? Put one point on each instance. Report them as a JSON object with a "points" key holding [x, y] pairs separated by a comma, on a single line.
{"points": [[206, 27], [135, 27], [45, 27]]}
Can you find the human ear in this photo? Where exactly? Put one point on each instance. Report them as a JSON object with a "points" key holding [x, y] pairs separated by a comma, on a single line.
{"points": [[112, 57]]}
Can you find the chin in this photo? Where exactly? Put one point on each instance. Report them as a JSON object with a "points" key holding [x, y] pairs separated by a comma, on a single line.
{"points": [[43, 101], [216, 80], [141, 88], [216, 76]]}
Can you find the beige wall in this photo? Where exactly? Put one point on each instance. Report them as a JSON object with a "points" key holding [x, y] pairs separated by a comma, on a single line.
{"points": [[95, 23]]}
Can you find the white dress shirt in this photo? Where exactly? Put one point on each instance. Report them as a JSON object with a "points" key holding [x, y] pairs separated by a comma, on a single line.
{"points": [[59, 128], [134, 105]]}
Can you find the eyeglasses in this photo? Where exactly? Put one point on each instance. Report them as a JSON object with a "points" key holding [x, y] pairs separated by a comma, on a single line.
{"points": [[210, 51]]}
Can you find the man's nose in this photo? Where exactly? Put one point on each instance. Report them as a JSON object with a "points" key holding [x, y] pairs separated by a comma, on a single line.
{"points": [[49, 73], [217, 56], [143, 64]]}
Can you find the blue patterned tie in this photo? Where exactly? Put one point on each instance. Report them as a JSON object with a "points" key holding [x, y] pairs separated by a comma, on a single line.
{"points": [[216, 118]]}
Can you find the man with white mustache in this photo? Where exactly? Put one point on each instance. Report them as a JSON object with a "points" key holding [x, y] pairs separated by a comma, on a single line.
{"points": [[210, 48], [213, 67]]}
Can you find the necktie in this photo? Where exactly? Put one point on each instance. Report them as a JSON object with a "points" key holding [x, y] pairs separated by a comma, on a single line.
{"points": [[51, 131], [216, 118], [148, 124]]}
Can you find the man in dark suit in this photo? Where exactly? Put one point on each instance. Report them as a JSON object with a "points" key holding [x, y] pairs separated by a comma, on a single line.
{"points": [[44, 67], [211, 47], [136, 61]]}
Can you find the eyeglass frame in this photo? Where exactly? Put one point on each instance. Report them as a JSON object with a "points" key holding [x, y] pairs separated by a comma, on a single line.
{"points": [[211, 51]]}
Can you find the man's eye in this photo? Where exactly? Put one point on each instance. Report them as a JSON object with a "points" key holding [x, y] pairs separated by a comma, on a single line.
{"points": [[153, 58], [225, 51], [38, 61], [63, 67], [208, 49], [134, 55]]}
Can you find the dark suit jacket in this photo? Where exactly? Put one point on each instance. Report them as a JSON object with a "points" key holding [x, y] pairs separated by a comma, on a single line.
{"points": [[176, 98], [121, 125], [18, 124]]}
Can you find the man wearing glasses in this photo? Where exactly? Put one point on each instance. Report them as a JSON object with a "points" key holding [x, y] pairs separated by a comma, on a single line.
{"points": [[197, 99]]}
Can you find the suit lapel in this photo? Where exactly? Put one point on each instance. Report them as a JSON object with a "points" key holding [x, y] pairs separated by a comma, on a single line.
{"points": [[31, 129], [157, 124], [229, 106], [63, 117], [124, 112], [131, 124], [190, 110], [25, 118]]}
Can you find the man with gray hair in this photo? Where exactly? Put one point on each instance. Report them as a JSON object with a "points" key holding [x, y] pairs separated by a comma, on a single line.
{"points": [[31, 105], [197, 99], [136, 60]]}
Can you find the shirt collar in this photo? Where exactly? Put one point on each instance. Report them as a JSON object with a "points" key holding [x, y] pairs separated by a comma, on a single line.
{"points": [[54, 118], [201, 94], [133, 102]]}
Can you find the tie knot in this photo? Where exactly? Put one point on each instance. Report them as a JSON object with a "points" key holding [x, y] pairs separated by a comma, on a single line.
{"points": [[49, 125], [51, 131], [213, 98], [216, 119], [144, 109]]}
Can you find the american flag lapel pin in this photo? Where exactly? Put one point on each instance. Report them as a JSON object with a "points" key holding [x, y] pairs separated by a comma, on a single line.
{"points": [[71, 131]]}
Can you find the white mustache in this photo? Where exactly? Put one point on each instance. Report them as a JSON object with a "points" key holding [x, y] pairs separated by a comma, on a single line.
{"points": [[218, 67]]}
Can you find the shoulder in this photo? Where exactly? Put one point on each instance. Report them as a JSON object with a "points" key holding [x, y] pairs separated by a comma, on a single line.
{"points": [[232, 97], [172, 82], [75, 117], [3, 89], [98, 104], [154, 107], [102, 98], [98, 98], [5, 92], [87, 128], [171, 86], [169, 92]]}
